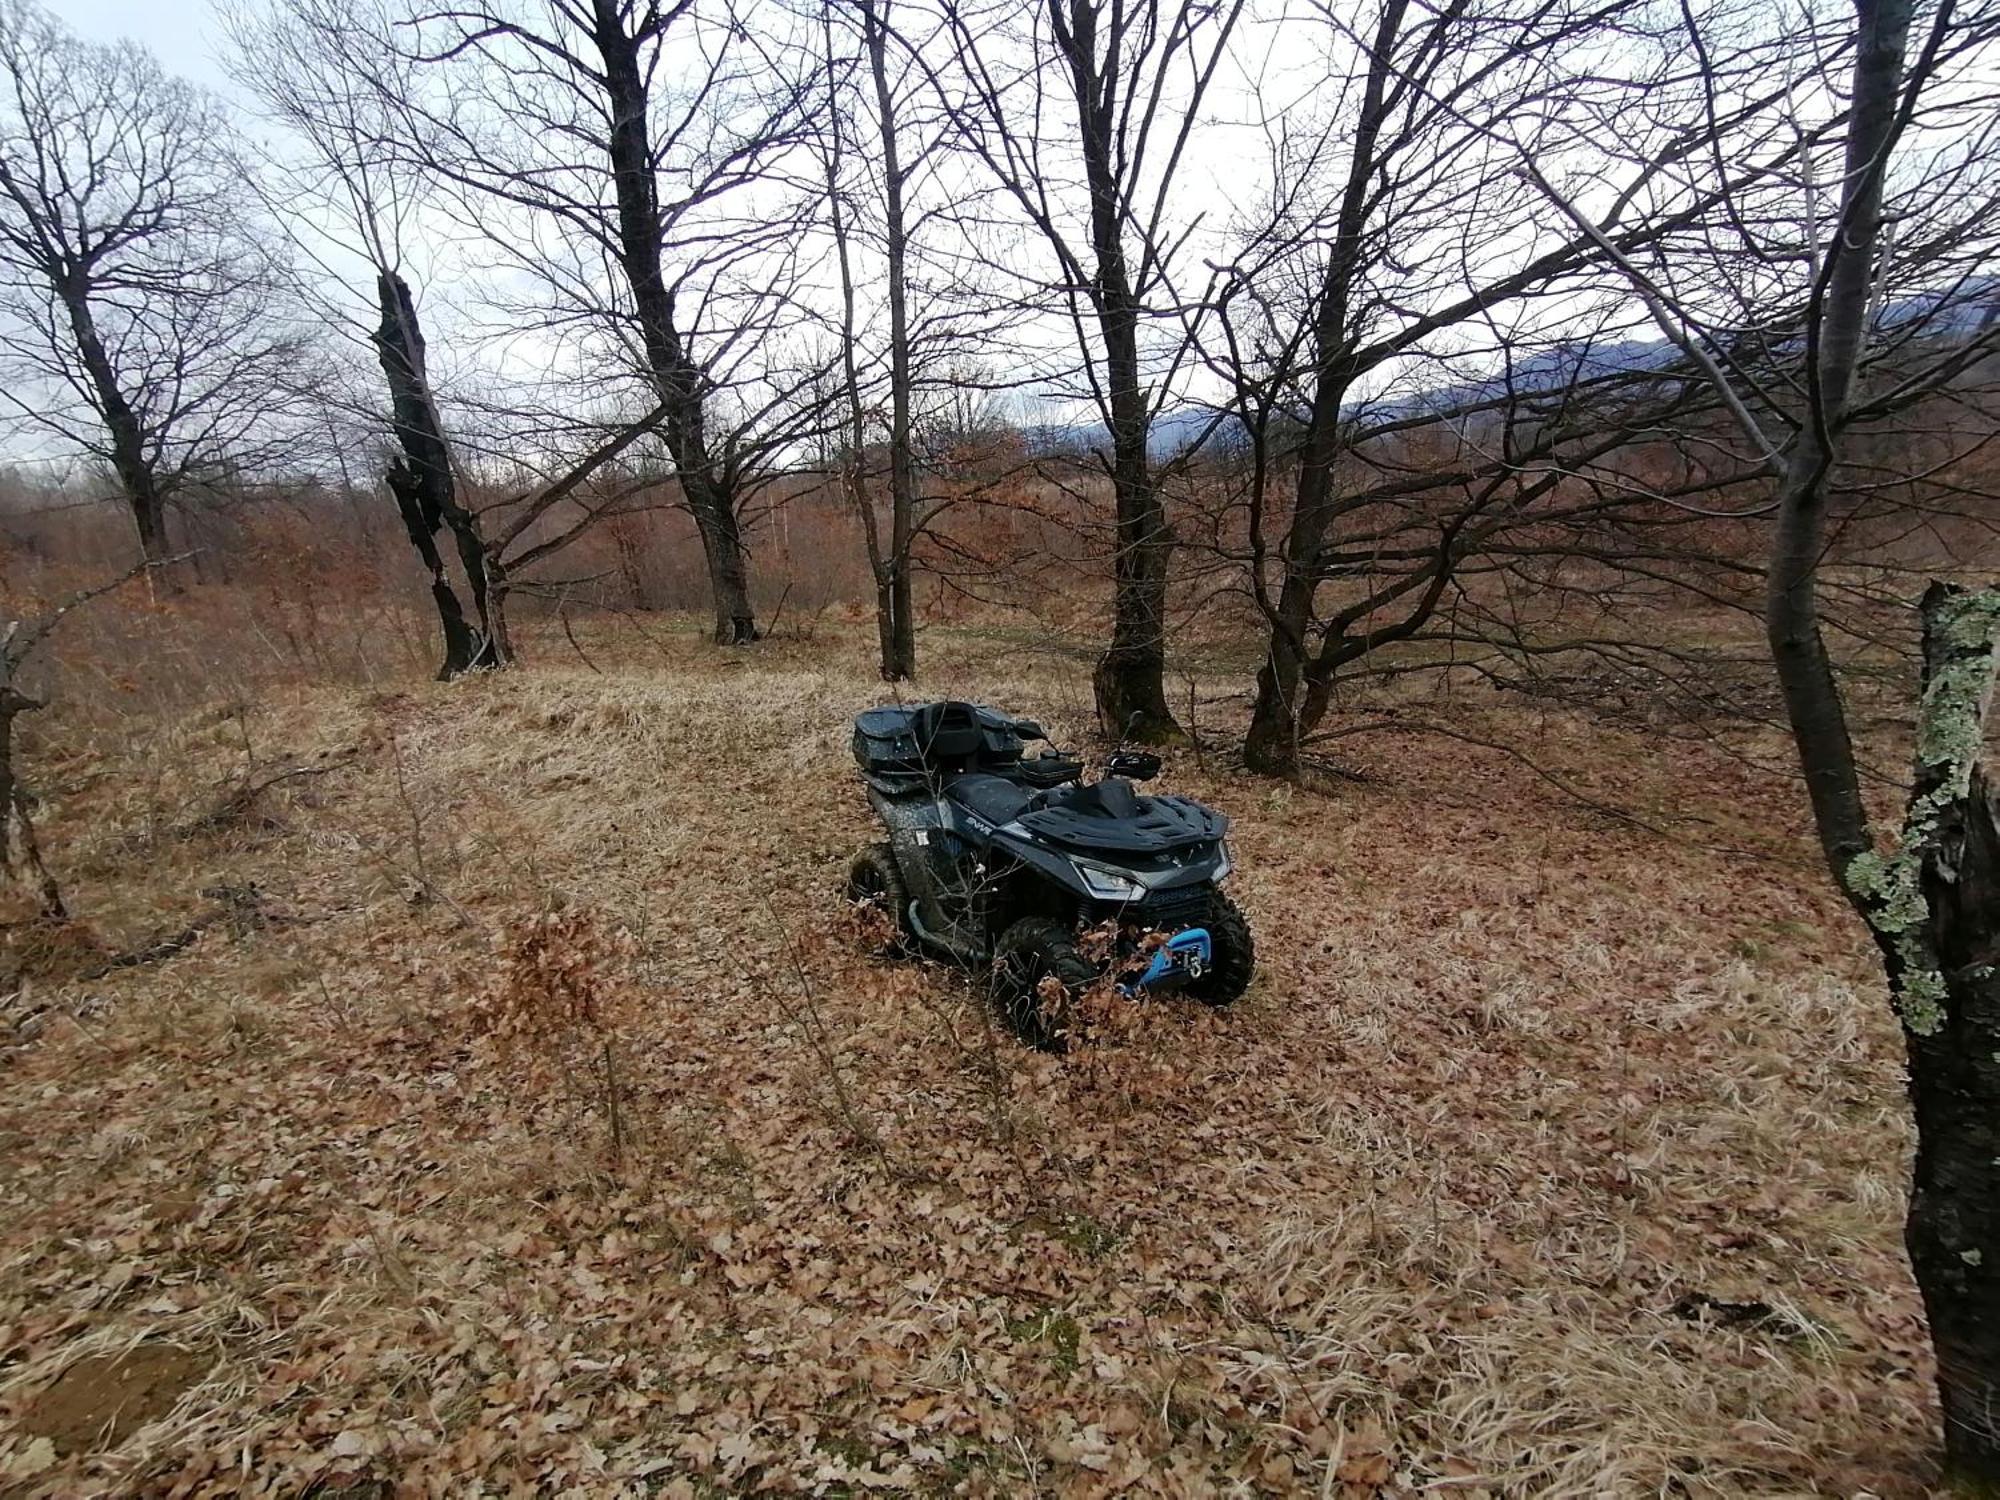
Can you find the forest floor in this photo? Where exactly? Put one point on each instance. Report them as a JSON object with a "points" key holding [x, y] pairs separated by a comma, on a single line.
{"points": [[1550, 1153]]}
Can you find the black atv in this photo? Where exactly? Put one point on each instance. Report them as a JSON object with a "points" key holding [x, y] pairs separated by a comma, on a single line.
{"points": [[999, 861]]}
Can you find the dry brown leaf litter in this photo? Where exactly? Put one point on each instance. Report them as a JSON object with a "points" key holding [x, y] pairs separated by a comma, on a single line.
{"points": [[1514, 1081]]}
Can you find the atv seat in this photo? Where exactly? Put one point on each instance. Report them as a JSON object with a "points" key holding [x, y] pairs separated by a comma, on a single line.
{"points": [[994, 798], [949, 736]]}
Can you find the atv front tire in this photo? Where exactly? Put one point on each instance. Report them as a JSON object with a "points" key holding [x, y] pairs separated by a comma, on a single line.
{"points": [[1035, 950], [874, 879], [1232, 957]]}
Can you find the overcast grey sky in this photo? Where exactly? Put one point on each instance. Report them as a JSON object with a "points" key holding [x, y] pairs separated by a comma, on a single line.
{"points": [[181, 33], [1218, 173]]}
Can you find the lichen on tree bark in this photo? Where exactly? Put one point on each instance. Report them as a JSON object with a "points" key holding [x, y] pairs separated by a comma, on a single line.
{"points": [[1962, 643]]}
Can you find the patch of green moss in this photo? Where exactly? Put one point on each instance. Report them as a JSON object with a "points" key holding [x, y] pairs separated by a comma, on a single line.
{"points": [[1088, 1236], [847, 1449], [970, 1461], [1057, 1329]]}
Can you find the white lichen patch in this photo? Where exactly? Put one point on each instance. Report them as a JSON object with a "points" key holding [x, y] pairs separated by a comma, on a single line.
{"points": [[1951, 719], [1889, 890], [1951, 728]]}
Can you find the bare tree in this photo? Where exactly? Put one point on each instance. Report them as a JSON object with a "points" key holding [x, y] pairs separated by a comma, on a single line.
{"points": [[1458, 442], [1933, 901], [322, 69], [1932, 898], [902, 659], [1422, 360], [137, 292], [898, 207], [331, 72], [1135, 76], [889, 559], [644, 139], [20, 639], [1821, 269]]}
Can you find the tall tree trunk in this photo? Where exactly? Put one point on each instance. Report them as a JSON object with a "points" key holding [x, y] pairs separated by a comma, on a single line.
{"points": [[895, 631], [420, 478], [1933, 900], [1833, 351], [707, 485], [1934, 905], [1281, 715], [1130, 680], [1278, 719], [129, 459], [461, 641], [899, 654], [722, 547]]}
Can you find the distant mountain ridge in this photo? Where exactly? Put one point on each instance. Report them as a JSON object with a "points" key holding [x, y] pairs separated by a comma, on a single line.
{"points": [[1965, 310]]}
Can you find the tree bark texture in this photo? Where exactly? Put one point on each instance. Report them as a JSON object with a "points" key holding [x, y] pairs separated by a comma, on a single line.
{"points": [[1953, 1228], [1934, 904]]}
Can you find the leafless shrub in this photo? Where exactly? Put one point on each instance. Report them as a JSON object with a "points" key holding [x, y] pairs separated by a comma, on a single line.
{"points": [[557, 1009]]}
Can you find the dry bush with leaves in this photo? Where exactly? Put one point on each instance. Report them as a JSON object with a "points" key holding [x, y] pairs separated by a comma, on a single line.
{"points": [[558, 1007]]}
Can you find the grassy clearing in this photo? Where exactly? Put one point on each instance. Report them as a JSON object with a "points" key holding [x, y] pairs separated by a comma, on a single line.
{"points": [[1523, 1094]]}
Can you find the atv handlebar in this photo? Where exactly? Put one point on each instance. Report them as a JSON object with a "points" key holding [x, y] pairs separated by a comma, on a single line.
{"points": [[1133, 765], [1049, 769]]}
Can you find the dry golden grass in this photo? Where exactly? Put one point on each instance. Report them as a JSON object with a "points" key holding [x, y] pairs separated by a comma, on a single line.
{"points": [[1516, 1081]]}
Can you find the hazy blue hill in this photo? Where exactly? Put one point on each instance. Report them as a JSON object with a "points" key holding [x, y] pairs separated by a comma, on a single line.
{"points": [[1955, 312]]}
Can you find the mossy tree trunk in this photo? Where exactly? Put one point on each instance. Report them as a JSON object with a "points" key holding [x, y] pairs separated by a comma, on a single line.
{"points": [[1953, 1228], [1933, 903]]}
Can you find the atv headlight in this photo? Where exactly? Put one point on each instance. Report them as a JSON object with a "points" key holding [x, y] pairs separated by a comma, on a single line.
{"points": [[1223, 863], [1108, 885]]}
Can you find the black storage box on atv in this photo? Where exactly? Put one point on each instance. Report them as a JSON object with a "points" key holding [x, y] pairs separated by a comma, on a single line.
{"points": [[1002, 860], [891, 753]]}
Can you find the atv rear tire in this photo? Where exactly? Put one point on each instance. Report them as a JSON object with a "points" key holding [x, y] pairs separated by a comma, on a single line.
{"points": [[1232, 957], [1035, 949], [874, 879]]}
